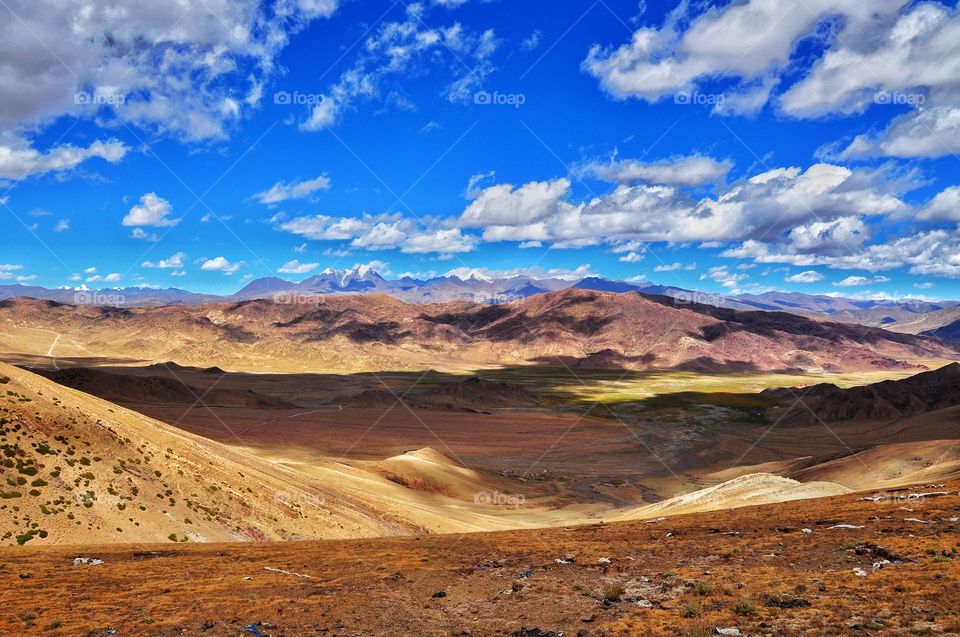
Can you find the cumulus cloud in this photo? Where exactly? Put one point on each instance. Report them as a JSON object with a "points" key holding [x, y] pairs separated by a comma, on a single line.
{"points": [[809, 276], [113, 277], [909, 60], [151, 211], [945, 206], [504, 204], [689, 49], [865, 55], [536, 272], [694, 170], [673, 267], [632, 257], [18, 160], [932, 252], [221, 264], [382, 232], [173, 262], [295, 267], [765, 205], [724, 276], [281, 191], [169, 66], [857, 281]]}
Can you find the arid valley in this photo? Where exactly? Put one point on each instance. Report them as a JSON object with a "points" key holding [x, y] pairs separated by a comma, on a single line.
{"points": [[479, 318], [142, 446]]}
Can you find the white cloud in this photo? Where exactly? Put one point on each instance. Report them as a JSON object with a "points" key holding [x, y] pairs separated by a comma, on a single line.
{"points": [[322, 115], [722, 275], [765, 205], [693, 170], [167, 66], [857, 281], [933, 252], [632, 257], [151, 211], [829, 237], [442, 241], [173, 262], [140, 233], [532, 42], [673, 267], [809, 276], [535, 272], [295, 267], [113, 277], [281, 191], [221, 264], [18, 160], [751, 42], [382, 232], [400, 49], [505, 205], [8, 270], [62, 225], [945, 206], [909, 60]]}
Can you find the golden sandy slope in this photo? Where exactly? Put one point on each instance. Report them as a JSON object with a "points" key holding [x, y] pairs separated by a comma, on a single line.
{"points": [[747, 490], [78, 469]]}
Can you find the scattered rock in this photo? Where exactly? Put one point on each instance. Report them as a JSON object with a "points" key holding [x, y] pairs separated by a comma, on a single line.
{"points": [[785, 601], [439, 595], [730, 632], [604, 560], [90, 561], [536, 632]]}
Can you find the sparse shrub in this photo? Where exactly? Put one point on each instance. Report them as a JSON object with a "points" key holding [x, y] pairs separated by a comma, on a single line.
{"points": [[699, 630], [703, 588], [690, 610], [745, 609], [54, 625], [612, 592]]}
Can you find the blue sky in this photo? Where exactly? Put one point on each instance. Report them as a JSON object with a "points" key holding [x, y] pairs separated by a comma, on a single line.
{"points": [[734, 147]]}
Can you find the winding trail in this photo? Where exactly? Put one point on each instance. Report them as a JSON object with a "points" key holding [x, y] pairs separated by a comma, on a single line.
{"points": [[53, 345]]}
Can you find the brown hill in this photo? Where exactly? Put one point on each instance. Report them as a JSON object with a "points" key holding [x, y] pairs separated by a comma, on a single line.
{"points": [[570, 327], [474, 394], [161, 390], [885, 401], [77, 469]]}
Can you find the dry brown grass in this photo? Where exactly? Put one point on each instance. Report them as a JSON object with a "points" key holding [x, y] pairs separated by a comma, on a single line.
{"points": [[386, 586]]}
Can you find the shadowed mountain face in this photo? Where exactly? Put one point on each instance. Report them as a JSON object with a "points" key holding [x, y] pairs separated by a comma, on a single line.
{"points": [[949, 332], [583, 328], [880, 402], [158, 390], [473, 394]]}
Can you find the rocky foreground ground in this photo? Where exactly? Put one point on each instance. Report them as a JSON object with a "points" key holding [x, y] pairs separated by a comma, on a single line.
{"points": [[861, 563]]}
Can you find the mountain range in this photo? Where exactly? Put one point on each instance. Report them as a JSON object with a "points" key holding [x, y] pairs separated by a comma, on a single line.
{"points": [[571, 327], [940, 319]]}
